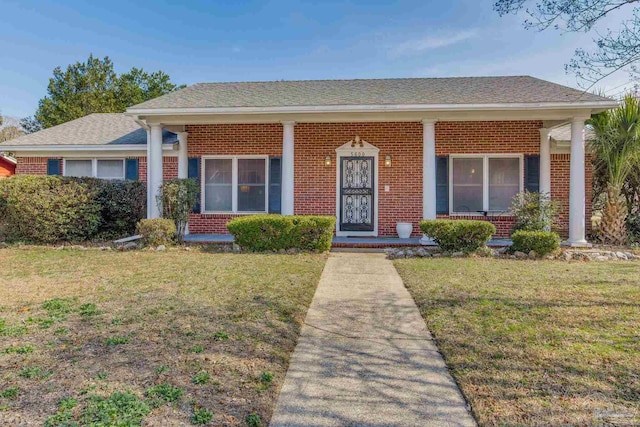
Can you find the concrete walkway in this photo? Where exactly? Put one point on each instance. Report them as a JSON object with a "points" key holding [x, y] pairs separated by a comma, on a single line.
{"points": [[365, 356]]}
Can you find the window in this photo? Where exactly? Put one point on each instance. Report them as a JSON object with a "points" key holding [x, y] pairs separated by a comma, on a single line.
{"points": [[96, 168], [484, 183], [235, 184], [79, 168]]}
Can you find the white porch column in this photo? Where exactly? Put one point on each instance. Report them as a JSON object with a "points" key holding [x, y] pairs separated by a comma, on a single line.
{"points": [[154, 171], [183, 155], [429, 169], [287, 168], [545, 161], [577, 184]]}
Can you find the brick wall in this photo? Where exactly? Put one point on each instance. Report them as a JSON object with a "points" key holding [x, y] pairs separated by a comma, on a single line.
{"points": [[230, 139], [315, 184], [32, 166]]}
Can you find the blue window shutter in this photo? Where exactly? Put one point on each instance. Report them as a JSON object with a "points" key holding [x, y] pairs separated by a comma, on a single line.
{"points": [[275, 188], [54, 167], [532, 173], [442, 185], [131, 169], [194, 172]]}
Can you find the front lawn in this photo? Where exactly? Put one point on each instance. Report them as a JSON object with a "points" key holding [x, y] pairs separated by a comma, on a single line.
{"points": [[536, 342], [167, 338]]}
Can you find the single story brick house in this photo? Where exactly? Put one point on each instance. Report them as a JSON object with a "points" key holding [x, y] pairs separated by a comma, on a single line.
{"points": [[372, 153], [7, 166]]}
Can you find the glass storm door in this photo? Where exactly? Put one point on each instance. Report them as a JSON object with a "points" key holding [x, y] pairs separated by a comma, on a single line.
{"points": [[356, 193]]}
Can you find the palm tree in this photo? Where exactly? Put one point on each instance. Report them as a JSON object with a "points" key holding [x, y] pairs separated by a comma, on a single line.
{"points": [[616, 149]]}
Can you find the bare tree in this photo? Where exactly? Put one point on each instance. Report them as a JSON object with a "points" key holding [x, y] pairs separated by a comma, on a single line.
{"points": [[614, 50]]}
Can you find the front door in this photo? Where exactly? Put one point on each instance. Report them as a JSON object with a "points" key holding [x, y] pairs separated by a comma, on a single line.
{"points": [[357, 180]]}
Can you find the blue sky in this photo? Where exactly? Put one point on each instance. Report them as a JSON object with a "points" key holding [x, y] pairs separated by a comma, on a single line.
{"points": [[198, 41]]}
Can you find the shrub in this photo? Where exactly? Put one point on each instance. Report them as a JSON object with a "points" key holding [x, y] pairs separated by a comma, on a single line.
{"points": [[542, 242], [158, 231], [122, 205], [178, 197], [458, 235], [48, 209], [278, 232], [534, 212], [69, 209]]}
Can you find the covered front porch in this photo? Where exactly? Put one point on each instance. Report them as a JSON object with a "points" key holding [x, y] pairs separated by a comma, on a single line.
{"points": [[297, 195]]}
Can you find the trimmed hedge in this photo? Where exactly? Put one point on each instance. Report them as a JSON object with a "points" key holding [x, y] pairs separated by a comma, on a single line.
{"points": [[48, 209], [157, 231], [277, 232], [458, 235], [542, 242]]}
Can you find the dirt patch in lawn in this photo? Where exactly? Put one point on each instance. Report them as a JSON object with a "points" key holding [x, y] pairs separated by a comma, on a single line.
{"points": [[536, 342], [166, 338]]}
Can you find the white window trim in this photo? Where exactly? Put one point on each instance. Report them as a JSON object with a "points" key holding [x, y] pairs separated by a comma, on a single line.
{"points": [[234, 185], [94, 166], [485, 180]]}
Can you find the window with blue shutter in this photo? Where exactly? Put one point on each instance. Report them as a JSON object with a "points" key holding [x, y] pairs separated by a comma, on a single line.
{"points": [[54, 167], [442, 185], [275, 188], [194, 172], [532, 173], [131, 169]]}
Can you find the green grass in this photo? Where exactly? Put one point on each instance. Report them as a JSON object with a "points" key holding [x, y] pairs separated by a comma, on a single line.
{"points": [[201, 416], [201, 378], [135, 315], [536, 342]]}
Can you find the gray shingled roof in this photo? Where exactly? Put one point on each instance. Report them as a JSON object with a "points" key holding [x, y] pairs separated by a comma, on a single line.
{"points": [[94, 129], [425, 91]]}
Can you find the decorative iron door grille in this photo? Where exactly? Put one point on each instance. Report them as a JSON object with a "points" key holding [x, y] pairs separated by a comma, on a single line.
{"points": [[356, 193]]}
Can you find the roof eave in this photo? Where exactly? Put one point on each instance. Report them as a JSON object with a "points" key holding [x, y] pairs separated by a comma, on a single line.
{"points": [[593, 105], [70, 147]]}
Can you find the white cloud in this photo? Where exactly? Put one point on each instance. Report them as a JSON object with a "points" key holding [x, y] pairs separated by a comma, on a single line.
{"points": [[417, 46]]}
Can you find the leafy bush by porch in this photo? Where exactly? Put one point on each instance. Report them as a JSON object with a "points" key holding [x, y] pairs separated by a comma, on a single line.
{"points": [[542, 242], [48, 209], [122, 205], [278, 232], [157, 231], [534, 211], [458, 235]]}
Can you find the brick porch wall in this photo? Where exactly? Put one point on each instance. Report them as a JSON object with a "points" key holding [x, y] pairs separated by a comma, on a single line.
{"points": [[315, 184], [230, 139]]}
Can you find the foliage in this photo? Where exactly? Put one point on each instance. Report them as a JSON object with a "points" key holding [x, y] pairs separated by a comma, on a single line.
{"points": [[201, 378], [279, 232], [542, 242], [30, 125], [64, 416], [616, 149], [48, 209], [254, 420], [10, 393], [122, 204], [614, 49], [157, 231], [70, 209], [534, 212], [458, 235], [163, 393], [94, 87], [201, 416], [177, 199], [119, 409], [10, 132]]}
